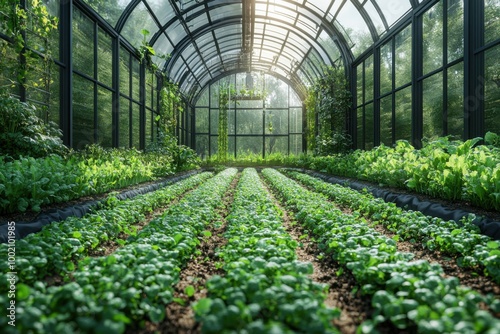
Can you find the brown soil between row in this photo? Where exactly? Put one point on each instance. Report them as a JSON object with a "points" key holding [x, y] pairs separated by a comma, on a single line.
{"points": [[180, 318]]}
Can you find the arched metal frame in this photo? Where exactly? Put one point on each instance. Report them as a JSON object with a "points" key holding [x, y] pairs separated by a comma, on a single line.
{"points": [[194, 72]]}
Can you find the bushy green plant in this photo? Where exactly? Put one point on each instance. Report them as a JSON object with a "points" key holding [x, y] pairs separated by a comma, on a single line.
{"points": [[184, 158], [328, 143], [25, 134]]}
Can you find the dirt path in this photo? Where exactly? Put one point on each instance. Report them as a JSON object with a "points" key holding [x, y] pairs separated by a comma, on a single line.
{"points": [[179, 314]]}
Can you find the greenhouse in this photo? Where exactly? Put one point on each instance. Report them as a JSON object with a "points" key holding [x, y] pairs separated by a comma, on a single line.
{"points": [[253, 166]]}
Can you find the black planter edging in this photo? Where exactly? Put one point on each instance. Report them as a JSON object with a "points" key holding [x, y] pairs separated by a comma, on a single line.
{"points": [[22, 229], [487, 226]]}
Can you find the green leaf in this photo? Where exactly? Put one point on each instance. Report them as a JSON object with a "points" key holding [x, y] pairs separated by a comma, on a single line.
{"points": [[76, 234], [202, 306], [189, 290], [23, 291], [492, 244]]}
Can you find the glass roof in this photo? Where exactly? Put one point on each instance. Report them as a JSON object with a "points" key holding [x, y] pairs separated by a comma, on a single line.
{"points": [[292, 39]]}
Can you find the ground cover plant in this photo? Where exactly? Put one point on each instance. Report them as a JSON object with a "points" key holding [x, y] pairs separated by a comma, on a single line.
{"points": [[443, 168], [411, 295], [264, 289], [56, 249], [131, 285], [29, 183], [471, 248]]}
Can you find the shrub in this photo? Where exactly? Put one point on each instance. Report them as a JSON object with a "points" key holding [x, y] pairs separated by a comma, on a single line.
{"points": [[25, 134]]}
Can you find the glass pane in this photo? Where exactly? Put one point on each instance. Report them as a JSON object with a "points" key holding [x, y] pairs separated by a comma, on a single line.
{"points": [[386, 68], [403, 58], [249, 122], [276, 121], [231, 122], [369, 79], [403, 118], [104, 117], [359, 84], [213, 145], [492, 91], [162, 10], [83, 43], [54, 111], [149, 89], [214, 121], [135, 79], [202, 145], [149, 127], [296, 120], [124, 135], [83, 112], [455, 100], [369, 127], [455, 29], [246, 145], [433, 106], [386, 120], [136, 125], [295, 144], [350, 19], [433, 38], [201, 120], [53, 8], [393, 10], [139, 19], [276, 145], [124, 72], [359, 129], [491, 20], [109, 10], [203, 101], [294, 99], [278, 93], [104, 58]]}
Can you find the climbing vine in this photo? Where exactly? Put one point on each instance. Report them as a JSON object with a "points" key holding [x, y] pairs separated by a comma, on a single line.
{"points": [[226, 92], [327, 105], [19, 57]]}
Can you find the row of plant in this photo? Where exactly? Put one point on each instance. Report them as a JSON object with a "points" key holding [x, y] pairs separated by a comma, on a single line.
{"points": [[442, 168], [29, 183], [412, 295], [466, 241], [131, 285], [265, 289], [58, 246]]}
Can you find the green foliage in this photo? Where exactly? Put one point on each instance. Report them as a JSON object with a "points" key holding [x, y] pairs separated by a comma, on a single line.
{"points": [[443, 168], [328, 143], [131, 285], [29, 183], [327, 104], [264, 285], [184, 158], [33, 20], [24, 134], [406, 293], [462, 241], [53, 250], [225, 93]]}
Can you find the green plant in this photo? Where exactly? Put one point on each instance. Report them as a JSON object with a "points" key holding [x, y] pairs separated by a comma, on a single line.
{"points": [[225, 93], [24, 134], [328, 101], [17, 23]]}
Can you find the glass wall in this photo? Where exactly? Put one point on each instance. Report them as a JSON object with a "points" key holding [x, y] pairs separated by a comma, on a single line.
{"points": [[256, 125], [419, 80]]}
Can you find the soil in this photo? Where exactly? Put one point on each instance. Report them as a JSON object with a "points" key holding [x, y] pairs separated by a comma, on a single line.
{"points": [[180, 318]]}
